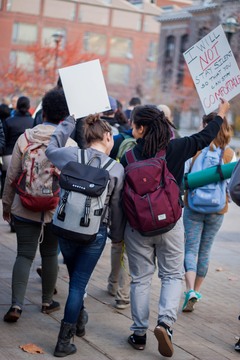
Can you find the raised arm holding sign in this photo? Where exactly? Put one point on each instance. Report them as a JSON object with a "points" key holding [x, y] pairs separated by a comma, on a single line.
{"points": [[214, 69]]}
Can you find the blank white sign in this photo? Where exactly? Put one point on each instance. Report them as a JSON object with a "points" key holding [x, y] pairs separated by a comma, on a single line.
{"points": [[84, 88]]}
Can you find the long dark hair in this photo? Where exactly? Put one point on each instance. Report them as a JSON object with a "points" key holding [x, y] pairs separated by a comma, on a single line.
{"points": [[157, 128], [225, 133]]}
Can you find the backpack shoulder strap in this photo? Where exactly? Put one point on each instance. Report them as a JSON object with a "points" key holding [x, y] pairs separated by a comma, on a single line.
{"points": [[130, 156], [125, 136], [108, 164], [82, 156], [193, 159], [161, 154], [219, 169]]}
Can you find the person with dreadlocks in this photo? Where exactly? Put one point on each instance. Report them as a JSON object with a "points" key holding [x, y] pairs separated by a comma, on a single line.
{"points": [[152, 130]]}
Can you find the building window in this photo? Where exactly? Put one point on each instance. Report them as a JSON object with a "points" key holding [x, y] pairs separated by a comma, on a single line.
{"points": [[47, 37], [150, 78], [150, 25], [119, 74], [166, 84], [152, 52], [203, 32], [181, 61], [121, 47], [24, 6], [22, 59], [137, 3], [93, 14], [24, 33], [60, 9], [126, 20], [170, 47], [95, 43], [168, 61]]}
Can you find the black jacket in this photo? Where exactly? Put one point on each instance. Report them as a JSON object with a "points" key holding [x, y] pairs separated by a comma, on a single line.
{"points": [[13, 127], [182, 149], [2, 138]]}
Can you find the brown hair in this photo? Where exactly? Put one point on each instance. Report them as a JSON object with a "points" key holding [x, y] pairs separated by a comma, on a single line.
{"points": [[225, 133], [95, 128]]}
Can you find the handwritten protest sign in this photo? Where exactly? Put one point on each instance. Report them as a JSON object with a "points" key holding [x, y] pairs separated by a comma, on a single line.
{"points": [[84, 88], [214, 69]]}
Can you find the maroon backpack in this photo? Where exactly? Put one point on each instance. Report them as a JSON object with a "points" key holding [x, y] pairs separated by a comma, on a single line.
{"points": [[151, 195]]}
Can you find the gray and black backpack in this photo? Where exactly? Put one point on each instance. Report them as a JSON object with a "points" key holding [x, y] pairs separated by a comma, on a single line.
{"points": [[84, 187]]}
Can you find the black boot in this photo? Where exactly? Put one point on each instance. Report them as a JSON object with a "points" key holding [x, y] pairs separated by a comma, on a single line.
{"points": [[82, 321], [63, 347]]}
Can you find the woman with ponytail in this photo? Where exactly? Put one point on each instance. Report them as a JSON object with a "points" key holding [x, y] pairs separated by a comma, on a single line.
{"points": [[152, 130], [80, 258]]}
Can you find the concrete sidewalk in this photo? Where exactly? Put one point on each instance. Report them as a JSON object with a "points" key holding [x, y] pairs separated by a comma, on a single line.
{"points": [[207, 334]]}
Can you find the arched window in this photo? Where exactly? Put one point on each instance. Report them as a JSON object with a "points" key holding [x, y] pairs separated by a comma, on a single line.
{"points": [[170, 47], [181, 61], [203, 32]]}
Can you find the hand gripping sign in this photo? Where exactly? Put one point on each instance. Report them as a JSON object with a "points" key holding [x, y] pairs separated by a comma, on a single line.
{"points": [[214, 69]]}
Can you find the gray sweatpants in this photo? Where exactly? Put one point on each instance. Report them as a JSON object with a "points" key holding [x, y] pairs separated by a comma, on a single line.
{"points": [[168, 251]]}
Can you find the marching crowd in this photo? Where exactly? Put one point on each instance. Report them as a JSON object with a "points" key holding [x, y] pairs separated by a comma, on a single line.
{"points": [[69, 184]]}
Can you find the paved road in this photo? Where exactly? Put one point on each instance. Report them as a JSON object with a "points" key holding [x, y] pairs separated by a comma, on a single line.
{"points": [[206, 334]]}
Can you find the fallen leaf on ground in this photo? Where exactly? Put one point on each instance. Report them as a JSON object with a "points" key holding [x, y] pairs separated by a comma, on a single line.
{"points": [[219, 269], [31, 349]]}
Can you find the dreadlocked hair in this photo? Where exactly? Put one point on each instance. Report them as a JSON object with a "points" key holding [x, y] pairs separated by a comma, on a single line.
{"points": [[95, 128], [157, 132]]}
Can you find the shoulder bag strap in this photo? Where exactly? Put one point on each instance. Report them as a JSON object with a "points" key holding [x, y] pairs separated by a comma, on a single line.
{"points": [[161, 154], [185, 178], [130, 156], [219, 167], [82, 156], [109, 164]]}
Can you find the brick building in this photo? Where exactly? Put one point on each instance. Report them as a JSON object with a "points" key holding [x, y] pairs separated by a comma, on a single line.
{"points": [[123, 35], [181, 29]]}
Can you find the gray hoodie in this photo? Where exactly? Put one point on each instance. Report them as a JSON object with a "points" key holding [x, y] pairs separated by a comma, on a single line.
{"points": [[11, 202], [59, 156]]}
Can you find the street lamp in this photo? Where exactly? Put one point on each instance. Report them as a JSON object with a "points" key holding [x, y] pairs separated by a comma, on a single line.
{"points": [[230, 26], [57, 37]]}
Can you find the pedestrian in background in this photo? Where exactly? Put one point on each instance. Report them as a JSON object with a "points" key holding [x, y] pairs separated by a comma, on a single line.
{"points": [[15, 125], [109, 115], [4, 114], [134, 101], [168, 113], [121, 118]]}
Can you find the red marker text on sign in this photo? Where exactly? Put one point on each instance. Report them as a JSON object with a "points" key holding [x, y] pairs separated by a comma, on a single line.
{"points": [[209, 57]]}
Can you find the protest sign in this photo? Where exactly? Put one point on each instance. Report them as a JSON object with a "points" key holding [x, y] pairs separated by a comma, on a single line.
{"points": [[214, 69], [84, 89]]}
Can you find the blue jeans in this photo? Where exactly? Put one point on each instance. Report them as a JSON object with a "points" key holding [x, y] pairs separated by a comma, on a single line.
{"points": [[80, 261], [200, 232]]}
